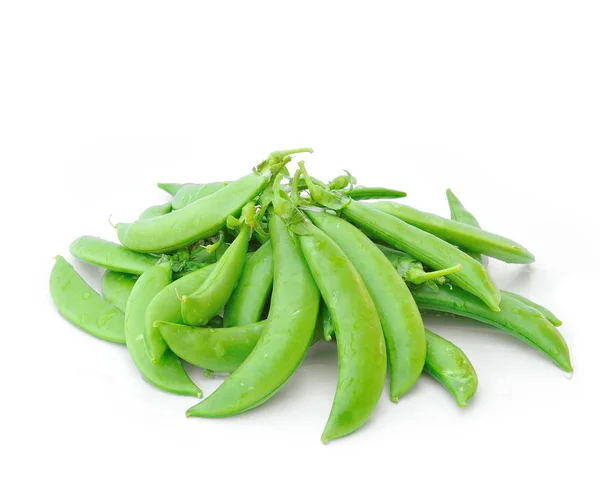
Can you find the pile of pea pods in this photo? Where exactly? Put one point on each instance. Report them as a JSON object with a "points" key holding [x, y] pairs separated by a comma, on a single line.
{"points": [[242, 277]]}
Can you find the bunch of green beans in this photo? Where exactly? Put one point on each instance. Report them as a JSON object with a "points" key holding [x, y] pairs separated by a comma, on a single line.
{"points": [[244, 276]]}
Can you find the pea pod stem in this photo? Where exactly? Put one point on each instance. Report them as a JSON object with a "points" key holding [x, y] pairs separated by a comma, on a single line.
{"points": [[416, 276]]}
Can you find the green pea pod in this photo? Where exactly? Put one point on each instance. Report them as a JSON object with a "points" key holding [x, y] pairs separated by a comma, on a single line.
{"points": [[116, 288], [516, 318], [217, 349], [202, 218], [549, 315], [462, 235], [248, 300], [166, 306], [82, 305], [398, 313], [168, 373], [284, 341], [425, 247], [374, 193], [459, 213], [172, 188], [193, 192], [156, 211], [360, 341], [210, 298], [110, 255], [450, 366]]}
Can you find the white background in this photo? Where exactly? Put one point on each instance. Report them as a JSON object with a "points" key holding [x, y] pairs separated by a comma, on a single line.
{"points": [[498, 100]]}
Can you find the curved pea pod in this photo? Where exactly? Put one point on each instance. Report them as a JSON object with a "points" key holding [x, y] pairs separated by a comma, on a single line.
{"points": [[462, 235], [111, 256], [373, 193], [450, 366], [156, 211], [426, 248], [398, 313], [193, 192], [202, 218], [82, 305], [116, 288], [216, 349], [284, 341], [166, 306], [210, 298], [248, 300], [516, 318], [168, 373], [360, 343]]}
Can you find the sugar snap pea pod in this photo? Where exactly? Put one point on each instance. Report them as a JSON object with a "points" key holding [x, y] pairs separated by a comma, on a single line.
{"points": [[217, 349], [549, 315], [373, 193], [210, 298], [249, 297], [193, 192], [284, 341], [462, 235], [156, 211], [166, 306], [82, 305], [172, 188], [516, 318], [360, 342], [168, 373], [398, 313], [450, 366], [111, 255], [116, 288], [459, 213], [425, 247], [201, 218]]}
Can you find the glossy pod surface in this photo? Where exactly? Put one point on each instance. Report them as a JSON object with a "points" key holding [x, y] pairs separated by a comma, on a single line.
{"points": [[199, 220], [516, 318], [549, 315], [361, 349], [283, 344], [168, 373], [425, 247], [82, 305], [450, 366], [111, 256], [166, 306], [371, 193], [398, 313], [463, 235], [248, 300], [116, 288]]}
